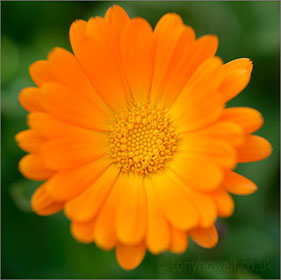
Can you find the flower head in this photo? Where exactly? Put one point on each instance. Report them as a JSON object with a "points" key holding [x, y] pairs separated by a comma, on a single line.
{"points": [[132, 137]]}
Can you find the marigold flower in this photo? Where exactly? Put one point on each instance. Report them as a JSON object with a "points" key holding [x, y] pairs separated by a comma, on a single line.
{"points": [[132, 137]]}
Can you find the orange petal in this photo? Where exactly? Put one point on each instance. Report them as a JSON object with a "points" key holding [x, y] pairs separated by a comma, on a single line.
{"points": [[66, 105], [43, 204], [50, 127], [229, 132], [132, 211], [205, 237], [224, 202], [215, 151], [187, 57], [202, 201], [248, 118], [198, 174], [117, 17], [158, 231], [31, 99], [179, 241], [190, 55], [105, 231], [83, 232], [40, 72], [67, 152], [101, 31], [199, 103], [238, 184], [30, 140], [169, 20], [176, 206], [32, 167], [77, 32], [71, 146], [43, 124], [66, 69], [67, 184], [179, 68], [173, 44], [253, 149], [130, 256], [100, 63], [137, 57], [168, 34], [85, 206], [205, 48], [237, 74]]}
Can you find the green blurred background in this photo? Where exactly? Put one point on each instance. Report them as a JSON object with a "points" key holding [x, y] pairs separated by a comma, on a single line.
{"points": [[42, 247]]}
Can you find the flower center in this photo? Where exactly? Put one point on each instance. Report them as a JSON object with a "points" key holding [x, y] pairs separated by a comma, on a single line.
{"points": [[143, 139]]}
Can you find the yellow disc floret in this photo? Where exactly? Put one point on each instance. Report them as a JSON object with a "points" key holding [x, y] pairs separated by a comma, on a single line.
{"points": [[143, 139]]}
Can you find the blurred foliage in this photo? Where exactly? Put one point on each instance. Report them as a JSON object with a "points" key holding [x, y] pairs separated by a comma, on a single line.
{"points": [[38, 247]]}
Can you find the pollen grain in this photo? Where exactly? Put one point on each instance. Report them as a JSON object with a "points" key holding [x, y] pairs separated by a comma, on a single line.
{"points": [[143, 140]]}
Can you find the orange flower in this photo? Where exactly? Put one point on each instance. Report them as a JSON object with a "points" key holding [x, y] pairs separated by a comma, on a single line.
{"points": [[133, 138]]}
